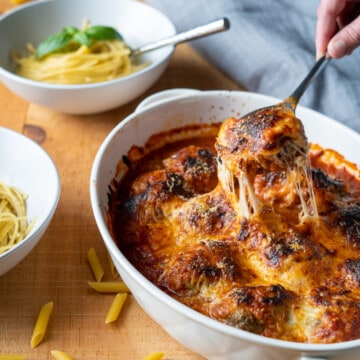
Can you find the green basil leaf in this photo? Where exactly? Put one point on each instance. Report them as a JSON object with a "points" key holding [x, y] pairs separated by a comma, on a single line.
{"points": [[71, 34], [53, 43], [82, 38], [71, 30], [103, 33]]}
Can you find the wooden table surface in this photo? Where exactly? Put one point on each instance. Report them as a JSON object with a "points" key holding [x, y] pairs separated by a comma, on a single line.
{"points": [[57, 270]]}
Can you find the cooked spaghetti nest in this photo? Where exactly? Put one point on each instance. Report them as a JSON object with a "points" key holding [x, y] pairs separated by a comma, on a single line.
{"points": [[14, 225], [104, 60]]}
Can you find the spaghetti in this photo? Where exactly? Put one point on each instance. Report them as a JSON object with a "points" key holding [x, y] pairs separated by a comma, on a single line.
{"points": [[104, 60], [14, 225]]}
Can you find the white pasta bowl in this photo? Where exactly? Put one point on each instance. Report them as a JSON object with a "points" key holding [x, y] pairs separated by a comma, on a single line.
{"points": [[26, 166], [176, 108], [136, 21]]}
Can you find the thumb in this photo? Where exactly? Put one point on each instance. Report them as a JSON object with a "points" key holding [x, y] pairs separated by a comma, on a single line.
{"points": [[345, 41]]}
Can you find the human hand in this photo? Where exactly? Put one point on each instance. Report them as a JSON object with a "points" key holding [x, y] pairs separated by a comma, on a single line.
{"points": [[338, 27]]}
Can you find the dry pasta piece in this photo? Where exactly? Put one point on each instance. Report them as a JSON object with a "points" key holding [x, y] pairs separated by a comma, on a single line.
{"points": [[115, 307], [95, 264], [13, 356], [41, 324], [18, 2], [60, 355], [109, 287], [154, 356], [113, 270]]}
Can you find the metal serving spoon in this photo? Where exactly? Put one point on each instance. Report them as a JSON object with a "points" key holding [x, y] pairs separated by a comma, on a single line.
{"points": [[292, 101], [192, 34]]}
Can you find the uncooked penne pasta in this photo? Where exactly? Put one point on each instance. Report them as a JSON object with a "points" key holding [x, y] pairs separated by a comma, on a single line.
{"points": [[41, 324], [115, 307], [95, 264], [113, 270], [18, 2], [109, 287], [13, 356], [154, 356], [60, 355]]}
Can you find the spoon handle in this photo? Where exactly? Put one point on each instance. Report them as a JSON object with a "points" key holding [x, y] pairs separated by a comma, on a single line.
{"points": [[192, 34], [316, 69]]}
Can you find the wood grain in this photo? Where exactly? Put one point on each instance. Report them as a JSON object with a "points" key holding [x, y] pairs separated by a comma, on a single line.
{"points": [[57, 269]]}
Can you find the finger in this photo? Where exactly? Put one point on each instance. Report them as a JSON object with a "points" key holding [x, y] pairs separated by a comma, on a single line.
{"points": [[346, 40], [327, 26]]}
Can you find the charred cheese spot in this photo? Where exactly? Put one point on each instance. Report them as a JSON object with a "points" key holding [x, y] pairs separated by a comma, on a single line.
{"points": [[295, 247], [190, 269], [198, 265], [176, 184], [343, 217], [336, 166], [349, 222], [352, 271], [259, 309], [244, 230], [206, 215], [323, 181], [337, 319], [271, 295], [152, 197], [197, 167], [329, 191]]}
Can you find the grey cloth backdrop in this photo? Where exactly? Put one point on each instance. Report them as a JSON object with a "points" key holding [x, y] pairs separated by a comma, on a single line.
{"points": [[270, 48]]}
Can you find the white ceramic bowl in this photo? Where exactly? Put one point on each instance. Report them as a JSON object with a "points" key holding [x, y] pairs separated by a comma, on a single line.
{"points": [[25, 165], [138, 23], [177, 108]]}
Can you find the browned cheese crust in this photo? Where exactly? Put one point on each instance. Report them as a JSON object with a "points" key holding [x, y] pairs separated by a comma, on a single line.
{"points": [[268, 139], [269, 273]]}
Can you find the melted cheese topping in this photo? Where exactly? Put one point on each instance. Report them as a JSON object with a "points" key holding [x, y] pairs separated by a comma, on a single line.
{"points": [[271, 249], [266, 140]]}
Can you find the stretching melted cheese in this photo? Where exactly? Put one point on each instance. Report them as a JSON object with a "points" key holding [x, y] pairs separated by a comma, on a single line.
{"points": [[266, 141], [265, 268]]}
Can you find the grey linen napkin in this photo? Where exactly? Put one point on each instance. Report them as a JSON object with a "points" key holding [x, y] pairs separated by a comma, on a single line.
{"points": [[270, 48]]}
